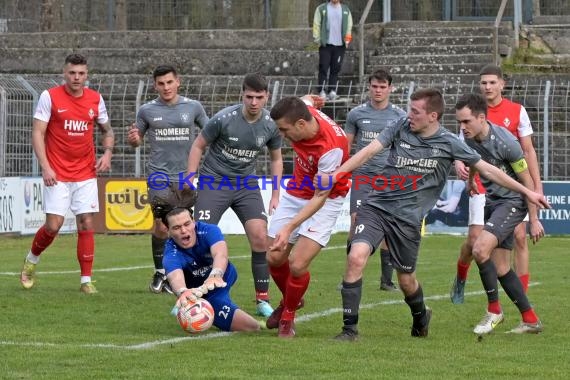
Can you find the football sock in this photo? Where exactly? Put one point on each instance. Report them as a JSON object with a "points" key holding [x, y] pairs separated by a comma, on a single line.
{"points": [[85, 251], [85, 279], [462, 270], [260, 273], [280, 275], [42, 240], [417, 306], [351, 293], [296, 288], [529, 316], [157, 245], [386, 267], [32, 258], [513, 287], [488, 274], [348, 246], [494, 307], [525, 278]]}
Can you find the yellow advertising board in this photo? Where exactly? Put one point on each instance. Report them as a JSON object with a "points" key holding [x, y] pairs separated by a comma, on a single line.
{"points": [[126, 206]]}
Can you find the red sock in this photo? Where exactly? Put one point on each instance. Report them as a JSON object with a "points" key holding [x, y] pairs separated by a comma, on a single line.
{"points": [[524, 281], [494, 307], [42, 240], [462, 270], [529, 316], [280, 275], [85, 251], [296, 288]]}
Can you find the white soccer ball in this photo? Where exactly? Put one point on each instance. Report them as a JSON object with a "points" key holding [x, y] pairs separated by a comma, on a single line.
{"points": [[195, 317]]}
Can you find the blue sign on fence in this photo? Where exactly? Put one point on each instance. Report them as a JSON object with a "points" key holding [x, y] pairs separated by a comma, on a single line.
{"points": [[556, 221]]}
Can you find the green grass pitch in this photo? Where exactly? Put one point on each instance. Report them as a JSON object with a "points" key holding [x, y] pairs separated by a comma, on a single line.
{"points": [[125, 332]]}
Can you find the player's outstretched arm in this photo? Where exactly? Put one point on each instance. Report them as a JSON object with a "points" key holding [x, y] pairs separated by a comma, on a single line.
{"points": [[216, 278], [358, 159], [496, 175], [196, 152]]}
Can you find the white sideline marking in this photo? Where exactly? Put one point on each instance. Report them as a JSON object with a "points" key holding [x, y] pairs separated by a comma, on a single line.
{"points": [[221, 334], [118, 269]]}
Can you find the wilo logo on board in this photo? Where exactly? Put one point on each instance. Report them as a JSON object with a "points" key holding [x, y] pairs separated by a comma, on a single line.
{"points": [[126, 206]]}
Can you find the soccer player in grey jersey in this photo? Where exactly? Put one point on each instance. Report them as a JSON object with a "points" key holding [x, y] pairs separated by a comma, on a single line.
{"points": [[504, 210], [236, 136], [421, 155], [170, 122], [363, 124]]}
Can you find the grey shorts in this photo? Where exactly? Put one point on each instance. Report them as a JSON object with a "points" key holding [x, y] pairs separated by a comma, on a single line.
{"points": [[501, 220], [170, 197], [214, 200], [403, 239], [358, 193]]}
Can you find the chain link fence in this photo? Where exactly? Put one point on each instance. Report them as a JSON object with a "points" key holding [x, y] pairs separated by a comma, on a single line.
{"points": [[547, 102], [85, 15]]}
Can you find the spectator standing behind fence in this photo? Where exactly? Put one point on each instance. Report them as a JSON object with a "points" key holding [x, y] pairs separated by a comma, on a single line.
{"points": [[170, 121], [332, 30], [62, 138], [236, 136]]}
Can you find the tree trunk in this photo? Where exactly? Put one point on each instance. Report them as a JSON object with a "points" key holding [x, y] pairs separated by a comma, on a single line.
{"points": [[535, 8], [50, 18], [120, 14]]}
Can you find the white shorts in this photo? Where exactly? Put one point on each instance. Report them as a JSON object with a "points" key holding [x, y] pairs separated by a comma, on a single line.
{"points": [[79, 197], [477, 210], [318, 227]]}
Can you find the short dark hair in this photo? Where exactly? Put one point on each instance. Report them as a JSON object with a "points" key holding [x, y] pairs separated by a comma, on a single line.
{"points": [[291, 109], [491, 69], [254, 82], [475, 102], [433, 98], [380, 76], [175, 211], [163, 70], [76, 59]]}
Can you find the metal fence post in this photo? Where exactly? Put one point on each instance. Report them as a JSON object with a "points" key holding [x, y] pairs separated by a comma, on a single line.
{"points": [[387, 11], [138, 148], [35, 96], [3, 109], [546, 129]]}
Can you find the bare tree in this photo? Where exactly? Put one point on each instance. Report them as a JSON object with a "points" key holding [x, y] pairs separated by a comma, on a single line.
{"points": [[50, 17], [290, 13], [536, 7], [120, 14]]}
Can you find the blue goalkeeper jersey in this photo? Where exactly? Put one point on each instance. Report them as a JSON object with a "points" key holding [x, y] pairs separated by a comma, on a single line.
{"points": [[195, 262]]}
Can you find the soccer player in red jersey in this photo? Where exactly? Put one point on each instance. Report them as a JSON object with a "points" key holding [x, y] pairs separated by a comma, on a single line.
{"points": [[62, 138], [306, 215]]}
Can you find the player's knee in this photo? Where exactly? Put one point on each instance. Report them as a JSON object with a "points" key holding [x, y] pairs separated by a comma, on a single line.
{"points": [[297, 268], [479, 253], [357, 260]]}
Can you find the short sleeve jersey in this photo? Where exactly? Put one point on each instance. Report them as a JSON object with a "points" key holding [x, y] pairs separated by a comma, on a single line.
{"points": [[171, 130], [195, 262], [514, 118], [325, 153], [69, 141], [235, 143], [416, 170], [365, 123], [499, 148]]}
